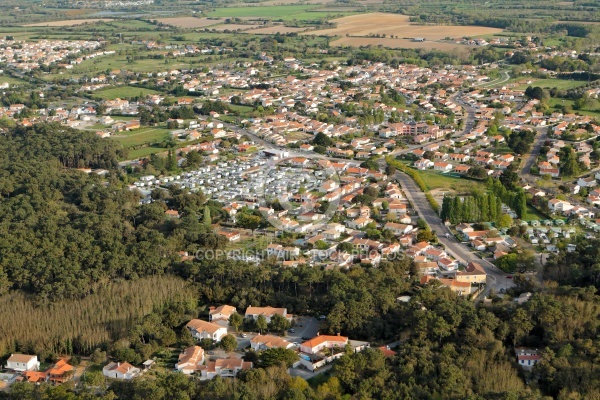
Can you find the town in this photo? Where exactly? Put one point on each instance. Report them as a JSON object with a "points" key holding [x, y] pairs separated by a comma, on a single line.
{"points": [[259, 208]]}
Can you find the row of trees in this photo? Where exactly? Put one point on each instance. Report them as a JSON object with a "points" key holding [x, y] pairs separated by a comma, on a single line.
{"points": [[480, 207]]}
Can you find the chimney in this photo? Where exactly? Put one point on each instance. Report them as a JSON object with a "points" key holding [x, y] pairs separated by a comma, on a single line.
{"points": [[338, 334], [318, 333]]}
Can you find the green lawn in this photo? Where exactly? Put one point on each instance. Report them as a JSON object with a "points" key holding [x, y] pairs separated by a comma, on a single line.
{"points": [[567, 102], [435, 180], [141, 136], [561, 84], [123, 92], [12, 81], [144, 152]]}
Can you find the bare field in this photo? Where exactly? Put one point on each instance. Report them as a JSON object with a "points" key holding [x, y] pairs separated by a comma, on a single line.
{"points": [[71, 22], [395, 43], [399, 25], [277, 29], [234, 27], [190, 22]]}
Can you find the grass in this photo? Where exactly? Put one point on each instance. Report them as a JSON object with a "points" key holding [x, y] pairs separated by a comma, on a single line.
{"points": [[144, 152], [556, 101], [282, 12], [123, 92], [561, 84], [435, 180], [12, 81], [142, 136]]}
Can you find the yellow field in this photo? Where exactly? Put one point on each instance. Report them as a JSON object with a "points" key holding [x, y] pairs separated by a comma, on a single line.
{"points": [[190, 22], [277, 29], [399, 25], [71, 22]]}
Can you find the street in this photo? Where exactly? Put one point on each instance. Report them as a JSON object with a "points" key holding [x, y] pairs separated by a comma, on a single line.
{"points": [[495, 278]]}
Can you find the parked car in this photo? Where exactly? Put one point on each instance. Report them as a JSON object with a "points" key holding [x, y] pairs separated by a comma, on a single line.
{"points": [[292, 330], [243, 335], [305, 338]]}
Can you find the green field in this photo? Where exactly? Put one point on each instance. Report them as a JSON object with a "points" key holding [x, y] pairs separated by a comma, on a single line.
{"points": [[567, 102], [144, 152], [12, 81], [435, 180], [284, 12], [561, 84], [141, 136], [123, 92]]}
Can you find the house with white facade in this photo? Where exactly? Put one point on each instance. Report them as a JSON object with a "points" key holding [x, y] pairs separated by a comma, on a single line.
{"points": [[22, 362], [190, 360], [120, 370], [206, 330]]}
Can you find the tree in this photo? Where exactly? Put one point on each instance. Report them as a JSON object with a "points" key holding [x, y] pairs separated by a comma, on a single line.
{"points": [[236, 321], [228, 343], [207, 220], [279, 324], [248, 221], [505, 221], [322, 139], [277, 356], [261, 323]]}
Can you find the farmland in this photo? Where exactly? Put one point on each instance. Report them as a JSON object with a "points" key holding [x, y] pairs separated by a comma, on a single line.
{"points": [[283, 12], [277, 29], [372, 24], [190, 22], [71, 22], [394, 43], [123, 92]]}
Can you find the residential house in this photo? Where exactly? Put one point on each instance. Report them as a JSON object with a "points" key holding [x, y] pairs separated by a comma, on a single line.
{"points": [[190, 360], [473, 273], [263, 342], [267, 312], [22, 362], [224, 367], [587, 182], [559, 206], [60, 372], [398, 229], [206, 330], [220, 315], [320, 342], [527, 358], [120, 370]]}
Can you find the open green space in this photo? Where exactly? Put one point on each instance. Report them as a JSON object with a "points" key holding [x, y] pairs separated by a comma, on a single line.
{"points": [[435, 180], [123, 92], [561, 84], [10, 80], [144, 152], [567, 102], [141, 136]]}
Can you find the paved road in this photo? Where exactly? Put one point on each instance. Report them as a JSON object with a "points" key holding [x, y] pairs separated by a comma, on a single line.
{"points": [[541, 137], [495, 279]]}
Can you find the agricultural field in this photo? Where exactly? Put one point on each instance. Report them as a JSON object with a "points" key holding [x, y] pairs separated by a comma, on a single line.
{"points": [[190, 22], [399, 25], [123, 92], [141, 136], [277, 29], [233, 27], [395, 43], [283, 12], [71, 22]]}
